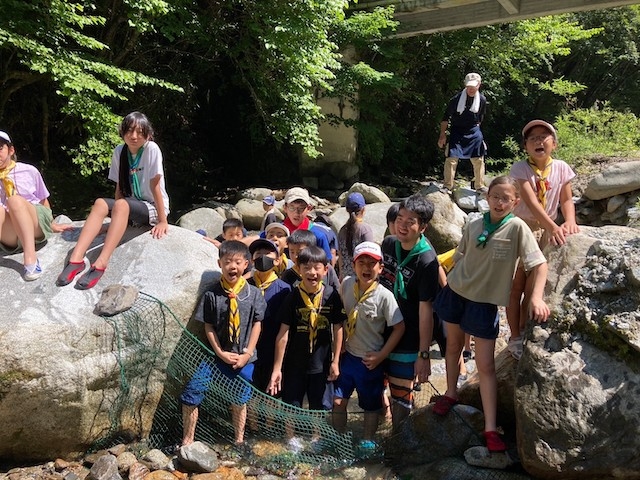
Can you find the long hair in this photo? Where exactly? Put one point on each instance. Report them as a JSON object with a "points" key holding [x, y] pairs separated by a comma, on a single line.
{"points": [[351, 226]]}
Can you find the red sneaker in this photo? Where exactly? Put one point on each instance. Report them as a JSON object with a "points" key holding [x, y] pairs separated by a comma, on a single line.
{"points": [[443, 405], [89, 279], [69, 273], [494, 442]]}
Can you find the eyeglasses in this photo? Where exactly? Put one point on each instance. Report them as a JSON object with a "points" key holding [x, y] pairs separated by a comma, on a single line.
{"points": [[539, 138], [294, 209], [499, 199]]}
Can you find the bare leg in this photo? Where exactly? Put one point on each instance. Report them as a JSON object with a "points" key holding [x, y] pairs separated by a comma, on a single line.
{"points": [[189, 421], [455, 342], [119, 222], [90, 230], [515, 301], [239, 420], [340, 414], [399, 413], [370, 424], [488, 381], [24, 223]]}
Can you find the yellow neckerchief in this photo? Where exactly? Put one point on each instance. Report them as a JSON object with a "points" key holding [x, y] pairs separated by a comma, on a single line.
{"points": [[9, 186], [314, 308], [264, 284], [353, 314], [542, 184], [234, 311], [284, 261]]}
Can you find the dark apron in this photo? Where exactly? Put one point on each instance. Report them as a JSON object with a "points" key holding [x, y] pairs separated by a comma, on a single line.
{"points": [[466, 143]]}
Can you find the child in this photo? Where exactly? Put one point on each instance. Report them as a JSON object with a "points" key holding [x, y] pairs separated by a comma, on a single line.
{"points": [[232, 313], [392, 214], [311, 334], [278, 234], [268, 205], [371, 308], [140, 198], [480, 281], [25, 213], [411, 272], [545, 184], [266, 260], [232, 229], [298, 241], [352, 233], [297, 205]]}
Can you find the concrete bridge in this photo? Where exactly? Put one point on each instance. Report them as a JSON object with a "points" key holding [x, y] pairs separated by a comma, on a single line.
{"points": [[429, 16]]}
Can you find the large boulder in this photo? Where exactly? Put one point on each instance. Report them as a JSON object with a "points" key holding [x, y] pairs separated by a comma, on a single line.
{"points": [[445, 229], [578, 381], [206, 219], [62, 366], [371, 194], [614, 180]]}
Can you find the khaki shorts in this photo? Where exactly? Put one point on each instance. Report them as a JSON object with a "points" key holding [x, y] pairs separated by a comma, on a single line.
{"points": [[45, 219]]}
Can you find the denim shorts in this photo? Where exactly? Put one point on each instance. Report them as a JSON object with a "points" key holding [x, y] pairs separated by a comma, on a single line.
{"points": [[475, 318], [207, 373]]}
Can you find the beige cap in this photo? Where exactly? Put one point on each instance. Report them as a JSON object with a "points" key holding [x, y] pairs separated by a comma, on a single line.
{"points": [[472, 80], [539, 123], [297, 193]]}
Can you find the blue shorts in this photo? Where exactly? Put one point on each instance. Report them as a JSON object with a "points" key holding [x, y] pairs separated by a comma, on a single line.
{"points": [[475, 318], [235, 391], [369, 384]]}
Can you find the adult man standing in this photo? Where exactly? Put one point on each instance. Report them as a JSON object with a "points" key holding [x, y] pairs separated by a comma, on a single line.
{"points": [[464, 113]]}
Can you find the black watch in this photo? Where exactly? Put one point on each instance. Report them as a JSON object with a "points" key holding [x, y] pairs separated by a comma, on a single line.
{"points": [[424, 354]]}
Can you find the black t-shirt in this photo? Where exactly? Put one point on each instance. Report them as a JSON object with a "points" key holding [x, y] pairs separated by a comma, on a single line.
{"points": [[466, 119], [298, 359], [293, 278], [421, 285]]}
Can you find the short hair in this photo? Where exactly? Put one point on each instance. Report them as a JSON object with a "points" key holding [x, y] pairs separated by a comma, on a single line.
{"points": [[420, 205], [302, 237], [136, 119], [312, 254], [505, 180], [232, 223], [392, 213], [233, 247]]}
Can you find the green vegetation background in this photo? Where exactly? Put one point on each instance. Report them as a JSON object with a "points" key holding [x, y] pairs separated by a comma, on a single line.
{"points": [[231, 88]]}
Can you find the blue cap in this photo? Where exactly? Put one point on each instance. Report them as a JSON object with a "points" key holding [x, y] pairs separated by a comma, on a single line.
{"points": [[269, 200], [355, 202]]}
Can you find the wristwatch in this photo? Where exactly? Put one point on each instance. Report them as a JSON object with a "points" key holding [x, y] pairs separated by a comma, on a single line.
{"points": [[424, 354]]}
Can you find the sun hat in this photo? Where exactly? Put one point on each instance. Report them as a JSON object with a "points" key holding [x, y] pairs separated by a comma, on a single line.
{"points": [[263, 243], [371, 249], [355, 202], [5, 136], [269, 200], [297, 193], [472, 80], [279, 225], [539, 123]]}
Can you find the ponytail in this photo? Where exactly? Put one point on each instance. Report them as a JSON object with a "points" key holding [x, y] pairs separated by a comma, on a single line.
{"points": [[350, 227], [124, 181]]}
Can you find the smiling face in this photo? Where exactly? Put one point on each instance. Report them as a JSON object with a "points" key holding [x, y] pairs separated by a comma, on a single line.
{"points": [[135, 138], [408, 227], [540, 143], [312, 274], [233, 266], [502, 200], [367, 270]]}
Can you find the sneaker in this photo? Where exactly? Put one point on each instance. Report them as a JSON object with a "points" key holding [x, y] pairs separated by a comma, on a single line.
{"points": [[515, 348], [89, 279], [494, 442], [32, 272], [366, 449], [482, 191], [443, 405], [69, 273]]}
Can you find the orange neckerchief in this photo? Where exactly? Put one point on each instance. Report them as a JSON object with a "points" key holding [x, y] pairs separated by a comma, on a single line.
{"points": [[542, 182], [353, 314]]}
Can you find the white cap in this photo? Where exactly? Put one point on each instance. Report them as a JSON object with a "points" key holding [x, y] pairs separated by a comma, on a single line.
{"points": [[5, 136], [279, 225], [472, 80], [371, 249], [297, 193]]}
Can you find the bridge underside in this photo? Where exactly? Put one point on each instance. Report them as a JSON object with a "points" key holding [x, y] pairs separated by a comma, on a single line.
{"points": [[429, 16]]}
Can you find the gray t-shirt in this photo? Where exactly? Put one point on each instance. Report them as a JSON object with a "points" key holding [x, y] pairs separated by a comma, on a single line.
{"points": [[214, 309], [378, 311]]}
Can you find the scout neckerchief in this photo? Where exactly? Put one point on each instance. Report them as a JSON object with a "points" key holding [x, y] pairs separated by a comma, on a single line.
{"points": [[488, 228], [284, 261], [542, 182], [360, 299], [264, 284], [304, 225], [420, 247], [9, 186], [312, 301], [234, 312], [133, 169]]}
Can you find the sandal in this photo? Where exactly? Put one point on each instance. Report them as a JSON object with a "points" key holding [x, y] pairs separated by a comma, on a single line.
{"points": [[69, 273], [515, 348], [89, 279], [494, 442], [443, 405]]}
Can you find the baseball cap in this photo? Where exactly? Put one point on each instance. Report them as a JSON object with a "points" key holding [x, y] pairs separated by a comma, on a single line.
{"points": [[5, 136], [262, 243], [355, 202], [269, 200], [367, 248], [539, 123], [279, 225], [297, 193], [472, 80]]}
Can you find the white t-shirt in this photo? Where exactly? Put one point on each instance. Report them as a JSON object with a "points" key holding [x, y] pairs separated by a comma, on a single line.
{"points": [[379, 310], [150, 166]]}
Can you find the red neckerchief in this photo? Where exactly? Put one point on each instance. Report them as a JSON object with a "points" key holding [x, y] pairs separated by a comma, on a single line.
{"points": [[304, 225]]}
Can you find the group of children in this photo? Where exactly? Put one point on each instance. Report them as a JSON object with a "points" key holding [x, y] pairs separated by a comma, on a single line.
{"points": [[289, 324]]}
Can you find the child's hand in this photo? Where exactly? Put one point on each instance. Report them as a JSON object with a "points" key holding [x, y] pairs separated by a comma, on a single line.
{"points": [[275, 385], [538, 310], [570, 228], [422, 369], [229, 358], [61, 227], [372, 359], [242, 361], [557, 236], [334, 371], [160, 229]]}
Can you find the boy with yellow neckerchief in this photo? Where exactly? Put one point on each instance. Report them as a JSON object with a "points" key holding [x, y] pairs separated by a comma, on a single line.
{"points": [[545, 185], [370, 308], [232, 312]]}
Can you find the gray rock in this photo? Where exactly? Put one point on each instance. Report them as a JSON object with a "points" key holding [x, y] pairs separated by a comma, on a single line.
{"points": [[466, 198], [456, 468], [125, 461], [206, 219], [198, 457], [155, 459], [445, 229], [371, 194], [105, 468], [615, 202], [115, 299], [255, 193], [615, 179], [251, 212], [481, 457], [138, 471]]}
